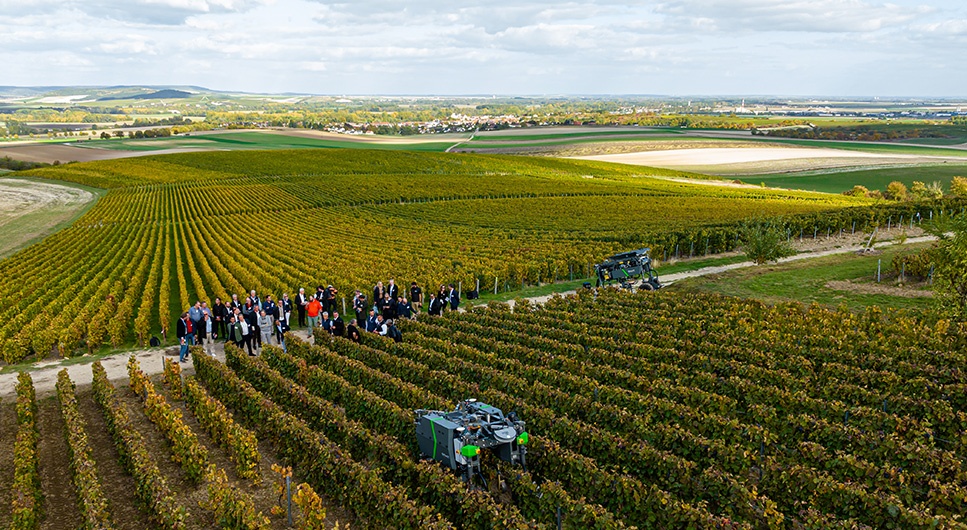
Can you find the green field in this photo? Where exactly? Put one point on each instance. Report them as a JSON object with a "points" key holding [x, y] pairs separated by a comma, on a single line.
{"points": [[806, 281], [260, 140], [838, 181]]}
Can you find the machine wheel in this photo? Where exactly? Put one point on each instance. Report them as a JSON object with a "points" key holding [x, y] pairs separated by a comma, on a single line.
{"points": [[646, 287]]}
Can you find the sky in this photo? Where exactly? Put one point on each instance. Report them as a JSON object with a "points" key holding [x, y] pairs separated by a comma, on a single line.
{"points": [[503, 47]]}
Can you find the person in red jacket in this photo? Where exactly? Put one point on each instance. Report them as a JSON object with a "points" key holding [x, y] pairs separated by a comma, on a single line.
{"points": [[315, 306]]}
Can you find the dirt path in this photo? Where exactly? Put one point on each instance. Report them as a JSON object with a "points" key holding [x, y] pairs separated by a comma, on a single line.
{"points": [[60, 496], [672, 278]]}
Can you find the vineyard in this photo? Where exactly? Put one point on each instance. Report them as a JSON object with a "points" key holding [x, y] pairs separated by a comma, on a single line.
{"points": [[665, 410], [179, 228]]}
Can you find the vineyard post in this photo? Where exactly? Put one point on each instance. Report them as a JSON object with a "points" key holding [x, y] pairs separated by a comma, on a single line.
{"points": [[495, 285], [800, 235], [559, 521], [459, 289], [344, 305], [815, 232], [288, 496], [854, 228], [691, 249], [478, 286], [889, 222], [903, 271], [878, 270], [901, 221], [827, 232]]}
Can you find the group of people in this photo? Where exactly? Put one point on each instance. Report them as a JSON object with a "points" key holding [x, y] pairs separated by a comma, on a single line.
{"points": [[254, 322]]}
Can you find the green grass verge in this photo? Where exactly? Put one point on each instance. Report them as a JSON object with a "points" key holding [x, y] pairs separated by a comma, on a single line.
{"points": [[41, 224], [805, 281], [572, 285], [840, 180]]}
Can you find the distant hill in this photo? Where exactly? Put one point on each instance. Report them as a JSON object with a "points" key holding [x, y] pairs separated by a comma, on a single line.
{"points": [[168, 93], [104, 93]]}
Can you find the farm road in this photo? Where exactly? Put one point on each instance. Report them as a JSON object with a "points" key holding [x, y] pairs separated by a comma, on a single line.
{"points": [[45, 377], [672, 278]]}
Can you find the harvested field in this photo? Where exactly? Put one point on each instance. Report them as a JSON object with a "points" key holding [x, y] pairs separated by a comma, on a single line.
{"points": [[31, 209], [738, 161]]}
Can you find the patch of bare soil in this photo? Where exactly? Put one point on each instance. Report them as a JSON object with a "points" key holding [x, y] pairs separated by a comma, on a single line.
{"points": [[8, 435], [118, 487], [906, 291], [60, 496]]}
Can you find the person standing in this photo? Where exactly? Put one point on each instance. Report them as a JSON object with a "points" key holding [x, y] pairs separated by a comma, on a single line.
{"points": [[326, 322], [392, 331], [251, 315], [283, 315], [268, 305], [301, 304], [433, 308], [378, 292], [373, 321], [454, 298], [220, 326], [266, 328], [256, 301], [194, 316], [388, 307], [280, 330], [352, 332], [404, 309], [285, 308], [416, 297], [338, 325], [359, 306], [236, 333], [392, 290], [329, 299], [234, 304], [313, 309], [181, 331], [205, 333]]}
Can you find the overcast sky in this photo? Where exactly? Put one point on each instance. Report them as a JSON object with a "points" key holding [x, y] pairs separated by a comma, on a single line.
{"points": [[674, 47]]}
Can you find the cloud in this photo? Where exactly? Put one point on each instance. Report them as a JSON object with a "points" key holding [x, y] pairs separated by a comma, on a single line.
{"points": [[833, 16], [152, 12]]}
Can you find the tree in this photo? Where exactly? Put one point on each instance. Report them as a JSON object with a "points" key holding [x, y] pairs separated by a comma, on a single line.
{"points": [[896, 191], [763, 243], [950, 273], [105, 135], [918, 191], [958, 186], [857, 191]]}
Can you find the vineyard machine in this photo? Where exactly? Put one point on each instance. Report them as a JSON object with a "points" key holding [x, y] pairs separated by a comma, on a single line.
{"points": [[456, 439], [632, 270]]}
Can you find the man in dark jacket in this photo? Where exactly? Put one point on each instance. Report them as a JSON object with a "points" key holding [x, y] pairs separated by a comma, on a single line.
{"points": [[454, 298], [301, 301], [338, 325], [372, 321], [182, 334], [387, 307], [392, 290], [404, 309], [416, 297], [220, 324], [435, 305]]}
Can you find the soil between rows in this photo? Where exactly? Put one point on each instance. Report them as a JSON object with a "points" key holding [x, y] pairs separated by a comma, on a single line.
{"points": [[8, 436], [60, 496]]}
